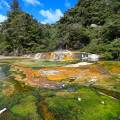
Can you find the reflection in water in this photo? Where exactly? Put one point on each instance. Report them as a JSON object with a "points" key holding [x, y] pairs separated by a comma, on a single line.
{"points": [[4, 69]]}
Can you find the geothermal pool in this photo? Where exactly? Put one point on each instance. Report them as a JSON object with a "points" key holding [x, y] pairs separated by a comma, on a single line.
{"points": [[50, 72]]}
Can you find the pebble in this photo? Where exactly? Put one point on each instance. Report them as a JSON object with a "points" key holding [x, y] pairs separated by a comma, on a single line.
{"points": [[79, 99]]}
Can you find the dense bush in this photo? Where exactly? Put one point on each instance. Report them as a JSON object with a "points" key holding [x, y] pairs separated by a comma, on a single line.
{"points": [[92, 26]]}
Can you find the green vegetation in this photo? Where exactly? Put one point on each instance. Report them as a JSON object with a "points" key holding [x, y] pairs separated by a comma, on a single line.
{"points": [[21, 104], [68, 107], [25, 107], [99, 21], [35, 63], [90, 23], [73, 102], [18, 30], [38, 63], [91, 26]]}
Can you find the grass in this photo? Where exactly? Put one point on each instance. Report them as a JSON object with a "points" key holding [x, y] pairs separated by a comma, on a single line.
{"points": [[65, 106], [90, 108], [112, 82], [116, 86], [25, 107]]}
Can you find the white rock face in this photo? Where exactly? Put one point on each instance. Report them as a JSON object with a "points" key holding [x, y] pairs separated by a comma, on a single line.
{"points": [[78, 64], [63, 55], [93, 57], [37, 56]]}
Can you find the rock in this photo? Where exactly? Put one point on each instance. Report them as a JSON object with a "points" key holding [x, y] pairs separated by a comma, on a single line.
{"points": [[3, 110], [62, 86], [102, 102], [79, 99], [93, 26]]}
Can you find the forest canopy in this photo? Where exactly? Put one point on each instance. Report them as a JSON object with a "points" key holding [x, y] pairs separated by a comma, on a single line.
{"points": [[90, 23]]}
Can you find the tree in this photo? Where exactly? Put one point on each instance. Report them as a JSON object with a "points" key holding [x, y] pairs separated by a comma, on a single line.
{"points": [[15, 5], [77, 39], [22, 34], [21, 31], [3, 44], [111, 32], [73, 38]]}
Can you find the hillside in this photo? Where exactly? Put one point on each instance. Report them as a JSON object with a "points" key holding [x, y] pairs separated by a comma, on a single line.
{"points": [[91, 26], [98, 21], [88, 12]]}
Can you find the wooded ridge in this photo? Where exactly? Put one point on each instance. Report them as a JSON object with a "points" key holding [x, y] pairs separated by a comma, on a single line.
{"points": [[91, 26]]}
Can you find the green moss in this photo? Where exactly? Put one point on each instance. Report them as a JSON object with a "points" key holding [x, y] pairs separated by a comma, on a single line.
{"points": [[90, 107], [25, 107]]}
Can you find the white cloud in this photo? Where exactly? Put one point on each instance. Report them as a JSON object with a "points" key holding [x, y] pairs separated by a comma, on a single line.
{"points": [[33, 2], [67, 4], [51, 16], [2, 18], [4, 3]]}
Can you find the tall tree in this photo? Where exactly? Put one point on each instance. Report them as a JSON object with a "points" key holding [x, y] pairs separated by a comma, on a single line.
{"points": [[21, 31], [15, 5]]}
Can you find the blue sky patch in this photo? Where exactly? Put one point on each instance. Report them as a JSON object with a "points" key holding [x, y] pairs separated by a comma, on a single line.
{"points": [[45, 11]]}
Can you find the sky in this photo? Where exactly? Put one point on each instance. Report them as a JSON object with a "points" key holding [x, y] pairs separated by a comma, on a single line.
{"points": [[45, 11]]}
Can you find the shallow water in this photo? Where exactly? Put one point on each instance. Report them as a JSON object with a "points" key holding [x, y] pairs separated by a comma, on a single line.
{"points": [[4, 71], [50, 72]]}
